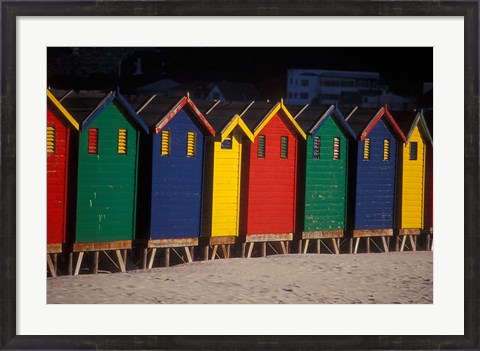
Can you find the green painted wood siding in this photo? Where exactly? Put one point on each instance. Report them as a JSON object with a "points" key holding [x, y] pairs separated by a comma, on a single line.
{"points": [[326, 181], [106, 192]]}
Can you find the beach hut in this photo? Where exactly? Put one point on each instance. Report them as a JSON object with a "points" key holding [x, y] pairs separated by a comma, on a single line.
{"points": [[176, 150], [374, 175], [412, 166], [61, 129], [324, 175], [269, 177], [107, 181], [223, 156]]}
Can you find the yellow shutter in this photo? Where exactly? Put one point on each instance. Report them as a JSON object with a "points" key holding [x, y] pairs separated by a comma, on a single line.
{"points": [[386, 150], [165, 143], [122, 142], [366, 149], [50, 140], [191, 144]]}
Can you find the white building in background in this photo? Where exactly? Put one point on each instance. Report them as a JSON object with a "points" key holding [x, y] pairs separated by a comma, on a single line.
{"points": [[306, 86]]}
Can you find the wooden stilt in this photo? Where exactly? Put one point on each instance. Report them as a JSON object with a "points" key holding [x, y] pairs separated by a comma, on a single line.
{"points": [[287, 246], [350, 246], [403, 243], [397, 243], [413, 243], [214, 251], [319, 245], [335, 246], [300, 242], [145, 255], [70, 263], [205, 252], [121, 263], [228, 251], [95, 262], [51, 266], [428, 242], [368, 245], [264, 249], [244, 247], [55, 262], [385, 246], [192, 253], [167, 257], [250, 249], [284, 248], [357, 242], [305, 248], [152, 258], [224, 251], [79, 263], [125, 258], [187, 252]]}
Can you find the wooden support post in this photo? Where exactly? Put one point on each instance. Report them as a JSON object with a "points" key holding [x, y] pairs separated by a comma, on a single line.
{"points": [[428, 242], [192, 253], [244, 249], [413, 243], [403, 243], [357, 242], [335, 246], [205, 252], [350, 246], [385, 246], [224, 251], [125, 258], [51, 266], [305, 248], [319, 244], [187, 252], [70, 263], [214, 251], [250, 249], [55, 262], [368, 245], [287, 246], [300, 242], [397, 243], [120, 261], [79, 263], [145, 255], [264, 249], [95, 262], [228, 250], [284, 248], [152, 258], [167, 257]]}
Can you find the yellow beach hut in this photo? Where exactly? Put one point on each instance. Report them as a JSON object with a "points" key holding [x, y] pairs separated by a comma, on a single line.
{"points": [[223, 168], [413, 175]]}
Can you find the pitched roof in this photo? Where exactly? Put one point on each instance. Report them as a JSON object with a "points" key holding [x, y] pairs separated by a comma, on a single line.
{"points": [[359, 119], [157, 111], [54, 101], [238, 91], [256, 113], [85, 106], [408, 120], [224, 112], [307, 116]]}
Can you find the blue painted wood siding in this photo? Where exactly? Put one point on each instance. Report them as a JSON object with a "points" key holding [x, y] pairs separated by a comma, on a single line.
{"points": [[177, 182], [375, 182]]}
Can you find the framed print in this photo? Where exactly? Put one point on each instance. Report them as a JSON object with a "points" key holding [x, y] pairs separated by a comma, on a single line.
{"points": [[28, 322]]}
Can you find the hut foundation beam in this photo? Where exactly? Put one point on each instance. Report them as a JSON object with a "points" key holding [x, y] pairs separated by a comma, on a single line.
{"points": [[335, 246], [145, 255], [403, 243], [305, 248], [152, 258], [413, 242], [95, 262], [244, 247], [250, 249], [121, 263], [189, 254], [79, 263], [224, 250], [205, 252], [350, 246], [385, 245], [368, 245], [319, 245], [284, 248], [167, 257], [70, 263], [264, 249], [214, 251], [51, 266], [357, 242]]}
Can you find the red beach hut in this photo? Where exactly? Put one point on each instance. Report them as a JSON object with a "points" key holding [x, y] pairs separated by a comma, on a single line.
{"points": [[269, 178], [59, 126]]}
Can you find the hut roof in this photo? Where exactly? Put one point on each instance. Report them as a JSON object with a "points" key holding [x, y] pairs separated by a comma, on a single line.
{"points": [[408, 120], [54, 100], [256, 113], [157, 111], [224, 117]]}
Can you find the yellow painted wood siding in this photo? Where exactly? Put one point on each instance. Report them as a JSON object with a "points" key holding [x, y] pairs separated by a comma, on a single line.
{"points": [[413, 183], [226, 187]]}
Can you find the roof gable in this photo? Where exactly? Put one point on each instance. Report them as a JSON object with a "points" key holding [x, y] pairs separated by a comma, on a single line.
{"points": [[363, 121], [62, 110], [225, 117], [167, 115], [267, 117], [422, 125]]}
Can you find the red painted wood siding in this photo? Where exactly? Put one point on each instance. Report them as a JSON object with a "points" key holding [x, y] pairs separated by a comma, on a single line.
{"points": [[270, 190], [57, 165]]}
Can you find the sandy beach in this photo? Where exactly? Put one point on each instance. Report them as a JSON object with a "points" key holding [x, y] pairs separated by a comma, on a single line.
{"points": [[380, 278]]}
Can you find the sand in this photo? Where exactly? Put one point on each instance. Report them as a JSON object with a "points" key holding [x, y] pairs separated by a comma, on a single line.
{"points": [[376, 278]]}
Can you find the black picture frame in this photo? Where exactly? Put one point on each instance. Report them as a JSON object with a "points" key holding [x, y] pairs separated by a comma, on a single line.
{"points": [[10, 10]]}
